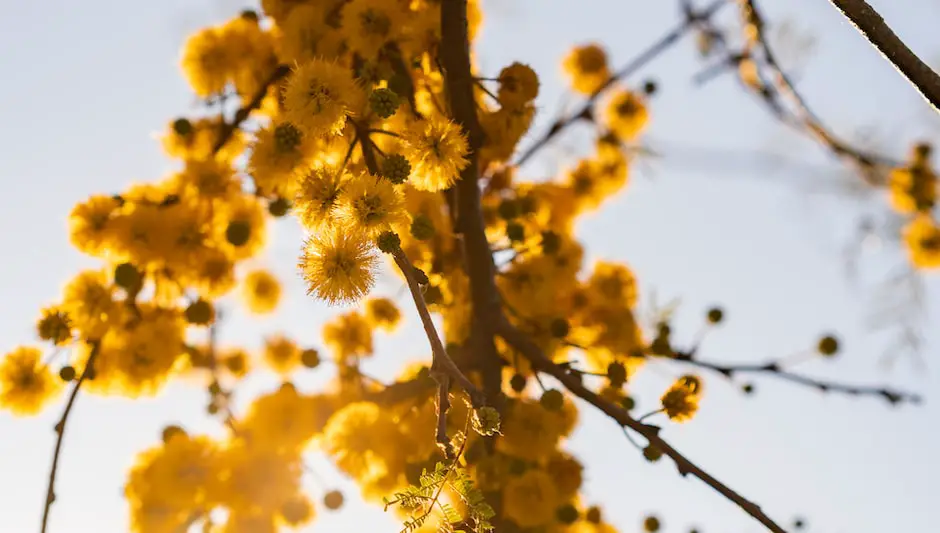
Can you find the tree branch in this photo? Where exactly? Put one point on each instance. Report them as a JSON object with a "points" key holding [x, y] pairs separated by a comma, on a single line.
{"points": [[229, 128], [442, 367], [774, 369], [542, 363], [458, 79], [870, 24], [691, 19], [60, 432]]}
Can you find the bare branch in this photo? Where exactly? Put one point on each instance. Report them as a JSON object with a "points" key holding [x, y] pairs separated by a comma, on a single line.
{"points": [[691, 19], [60, 431], [229, 128], [481, 270], [871, 25], [776, 370], [542, 363], [442, 363]]}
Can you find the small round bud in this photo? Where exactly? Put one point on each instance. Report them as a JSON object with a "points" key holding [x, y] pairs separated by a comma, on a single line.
{"points": [[715, 315], [384, 102], [310, 358], [527, 204], [486, 421], [389, 242], [593, 514], [67, 373], [515, 232], [652, 453], [552, 399], [422, 228], [628, 403], [182, 127], [551, 243], [200, 313], [287, 137], [567, 514], [333, 500], [559, 328], [433, 295], [171, 432], [215, 389], [238, 232], [421, 277], [828, 346], [747, 388], [395, 168], [799, 523], [249, 14], [128, 277], [278, 207], [650, 87], [616, 374], [651, 524], [508, 209], [212, 409], [517, 382]]}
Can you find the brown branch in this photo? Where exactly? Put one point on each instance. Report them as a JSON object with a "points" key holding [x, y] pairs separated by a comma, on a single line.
{"points": [[871, 25], [691, 19], [521, 342], [775, 369], [478, 261], [229, 128], [60, 431], [871, 166], [442, 364]]}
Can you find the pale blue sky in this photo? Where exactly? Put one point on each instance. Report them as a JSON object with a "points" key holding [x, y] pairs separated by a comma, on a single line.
{"points": [[87, 83]]}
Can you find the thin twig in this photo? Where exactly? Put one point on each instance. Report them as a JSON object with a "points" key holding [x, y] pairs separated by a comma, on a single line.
{"points": [[691, 19], [774, 369], [60, 431], [542, 363], [871, 25], [228, 128], [871, 166], [476, 255], [441, 361]]}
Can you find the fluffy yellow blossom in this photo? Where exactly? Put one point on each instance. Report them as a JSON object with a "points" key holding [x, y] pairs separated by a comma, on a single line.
{"points": [[261, 292], [278, 152], [382, 313], [586, 66], [372, 205], [680, 401], [338, 266], [529, 500], [89, 224], [518, 85], [318, 97], [922, 238], [88, 299], [283, 421], [196, 139], [355, 437], [26, 384], [281, 354], [369, 24], [348, 335], [241, 226], [135, 358], [530, 431], [302, 32], [626, 114], [54, 326], [319, 190], [207, 62], [437, 150]]}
